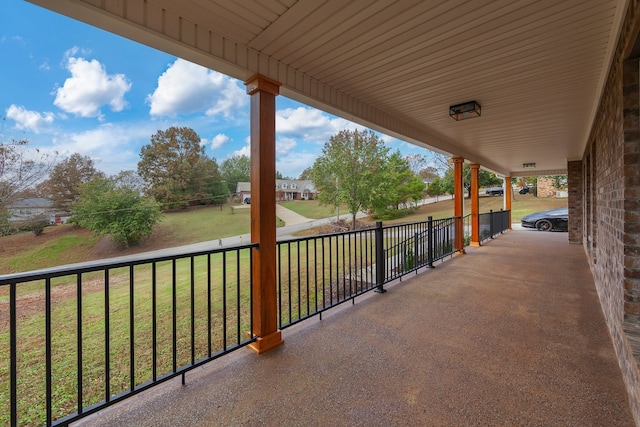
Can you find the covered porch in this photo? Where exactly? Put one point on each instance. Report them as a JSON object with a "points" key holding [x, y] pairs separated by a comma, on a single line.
{"points": [[512, 333]]}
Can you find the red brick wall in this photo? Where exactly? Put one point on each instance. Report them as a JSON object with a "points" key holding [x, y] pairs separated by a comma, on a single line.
{"points": [[574, 176], [608, 198]]}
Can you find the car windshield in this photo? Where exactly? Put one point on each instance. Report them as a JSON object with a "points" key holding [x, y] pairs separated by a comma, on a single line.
{"points": [[557, 212]]}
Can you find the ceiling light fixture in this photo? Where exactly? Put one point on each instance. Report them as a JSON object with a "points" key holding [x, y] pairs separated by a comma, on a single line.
{"points": [[528, 166], [467, 110]]}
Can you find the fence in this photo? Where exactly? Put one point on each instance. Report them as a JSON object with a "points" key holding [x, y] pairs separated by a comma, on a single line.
{"points": [[82, 338], [320, 272], [493, 223]]}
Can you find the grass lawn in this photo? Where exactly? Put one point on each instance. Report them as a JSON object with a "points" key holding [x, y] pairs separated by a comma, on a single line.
{"points": [[312, 208], [521, 206], [66, 244]]}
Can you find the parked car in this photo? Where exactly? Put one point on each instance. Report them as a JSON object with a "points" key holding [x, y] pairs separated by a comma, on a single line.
{"points": [[551, 220], [494, 191], [524, 190]]}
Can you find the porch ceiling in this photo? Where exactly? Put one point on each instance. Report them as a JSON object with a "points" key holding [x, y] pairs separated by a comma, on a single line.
{"points": [[536, 68]]}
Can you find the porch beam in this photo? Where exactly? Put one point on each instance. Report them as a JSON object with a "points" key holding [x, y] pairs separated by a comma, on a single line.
{"points": [[458, 202], [475, 204], [263, 92]]}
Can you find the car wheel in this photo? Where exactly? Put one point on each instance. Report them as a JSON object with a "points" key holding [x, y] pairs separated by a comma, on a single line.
{"points": [[544, 225]]}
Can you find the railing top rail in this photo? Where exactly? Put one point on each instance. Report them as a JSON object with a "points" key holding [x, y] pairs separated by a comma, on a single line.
{"points": [[321, 236], [110, 263]]}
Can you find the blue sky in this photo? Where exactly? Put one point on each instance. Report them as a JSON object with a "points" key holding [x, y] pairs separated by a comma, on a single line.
{"points": [[72, 88]]}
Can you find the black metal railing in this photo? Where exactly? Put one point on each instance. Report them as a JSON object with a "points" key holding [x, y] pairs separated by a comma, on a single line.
{"points": [[493, 223], [320, 272], [77, 339]]}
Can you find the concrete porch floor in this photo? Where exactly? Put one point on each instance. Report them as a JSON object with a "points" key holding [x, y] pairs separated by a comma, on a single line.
{"points": [[509, 334]]}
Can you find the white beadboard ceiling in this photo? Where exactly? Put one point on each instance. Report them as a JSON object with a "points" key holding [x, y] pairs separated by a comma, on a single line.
{"points": [[536, 67]]}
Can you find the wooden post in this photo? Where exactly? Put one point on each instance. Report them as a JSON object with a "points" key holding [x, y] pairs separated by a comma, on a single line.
{"points": [[475, 205], [263, 92], [458, 202]]}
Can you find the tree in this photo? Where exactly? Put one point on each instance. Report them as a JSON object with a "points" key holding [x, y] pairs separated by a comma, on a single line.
{"points": [[349, 170], [399, 186], [176, 171], [20, 169], [108, 208], [305, 174], [209, 187], [130, 179], [63, 185], [561, 182], [280, 176], [416, 162], [430, 173], [436, 188], [236, 169]]}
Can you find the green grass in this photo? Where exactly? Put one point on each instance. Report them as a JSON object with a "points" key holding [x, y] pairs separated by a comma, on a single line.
{"points": [[521, 206], [207, 223], [31, 340], [311, 208], [53, 252], [339, 258], [65, 245]]}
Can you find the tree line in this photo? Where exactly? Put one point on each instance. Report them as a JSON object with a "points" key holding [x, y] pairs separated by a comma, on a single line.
{"points": [[355, 169]]}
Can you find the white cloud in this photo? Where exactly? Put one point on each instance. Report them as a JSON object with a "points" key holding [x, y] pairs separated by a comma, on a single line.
{"points": [[294, 163], [112, 147], [186, 88], [310, 124], [219, 140], [285, 145], [244, 151], [90, 87], [29, 120]]}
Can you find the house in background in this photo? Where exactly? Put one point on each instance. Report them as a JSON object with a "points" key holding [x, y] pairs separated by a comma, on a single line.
{"points": [[547, 188], [286, 189], [29, 208], [26, 209]]}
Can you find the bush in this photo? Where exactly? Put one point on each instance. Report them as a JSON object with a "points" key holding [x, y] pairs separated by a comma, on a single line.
{"points": [[392, 214], [36, 224]]}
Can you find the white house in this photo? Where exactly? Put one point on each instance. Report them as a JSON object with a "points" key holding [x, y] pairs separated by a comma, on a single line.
{"points": [[286, 189]]}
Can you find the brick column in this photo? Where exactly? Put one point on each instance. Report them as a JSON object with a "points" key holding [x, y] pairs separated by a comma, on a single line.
{"points": [[475, 205], [574, 184], [458, 202], [263, 92]]}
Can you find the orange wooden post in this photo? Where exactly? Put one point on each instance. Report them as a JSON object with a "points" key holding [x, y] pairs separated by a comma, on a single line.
{"points": [[458, 202], [475, 205], [508, 195], [263, 92]]}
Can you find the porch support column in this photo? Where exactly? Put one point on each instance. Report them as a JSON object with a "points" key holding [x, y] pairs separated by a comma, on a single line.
{"points": [[475, 205], [263, 92], [508, 196], [458, 203]]}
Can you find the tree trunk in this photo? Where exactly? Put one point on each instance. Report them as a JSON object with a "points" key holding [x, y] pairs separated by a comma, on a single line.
{"points": [[353, 221]]}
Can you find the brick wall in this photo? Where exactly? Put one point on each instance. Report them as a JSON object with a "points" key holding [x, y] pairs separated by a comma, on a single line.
{"points": [[609, 199], [574, 177], [546, 187]]}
